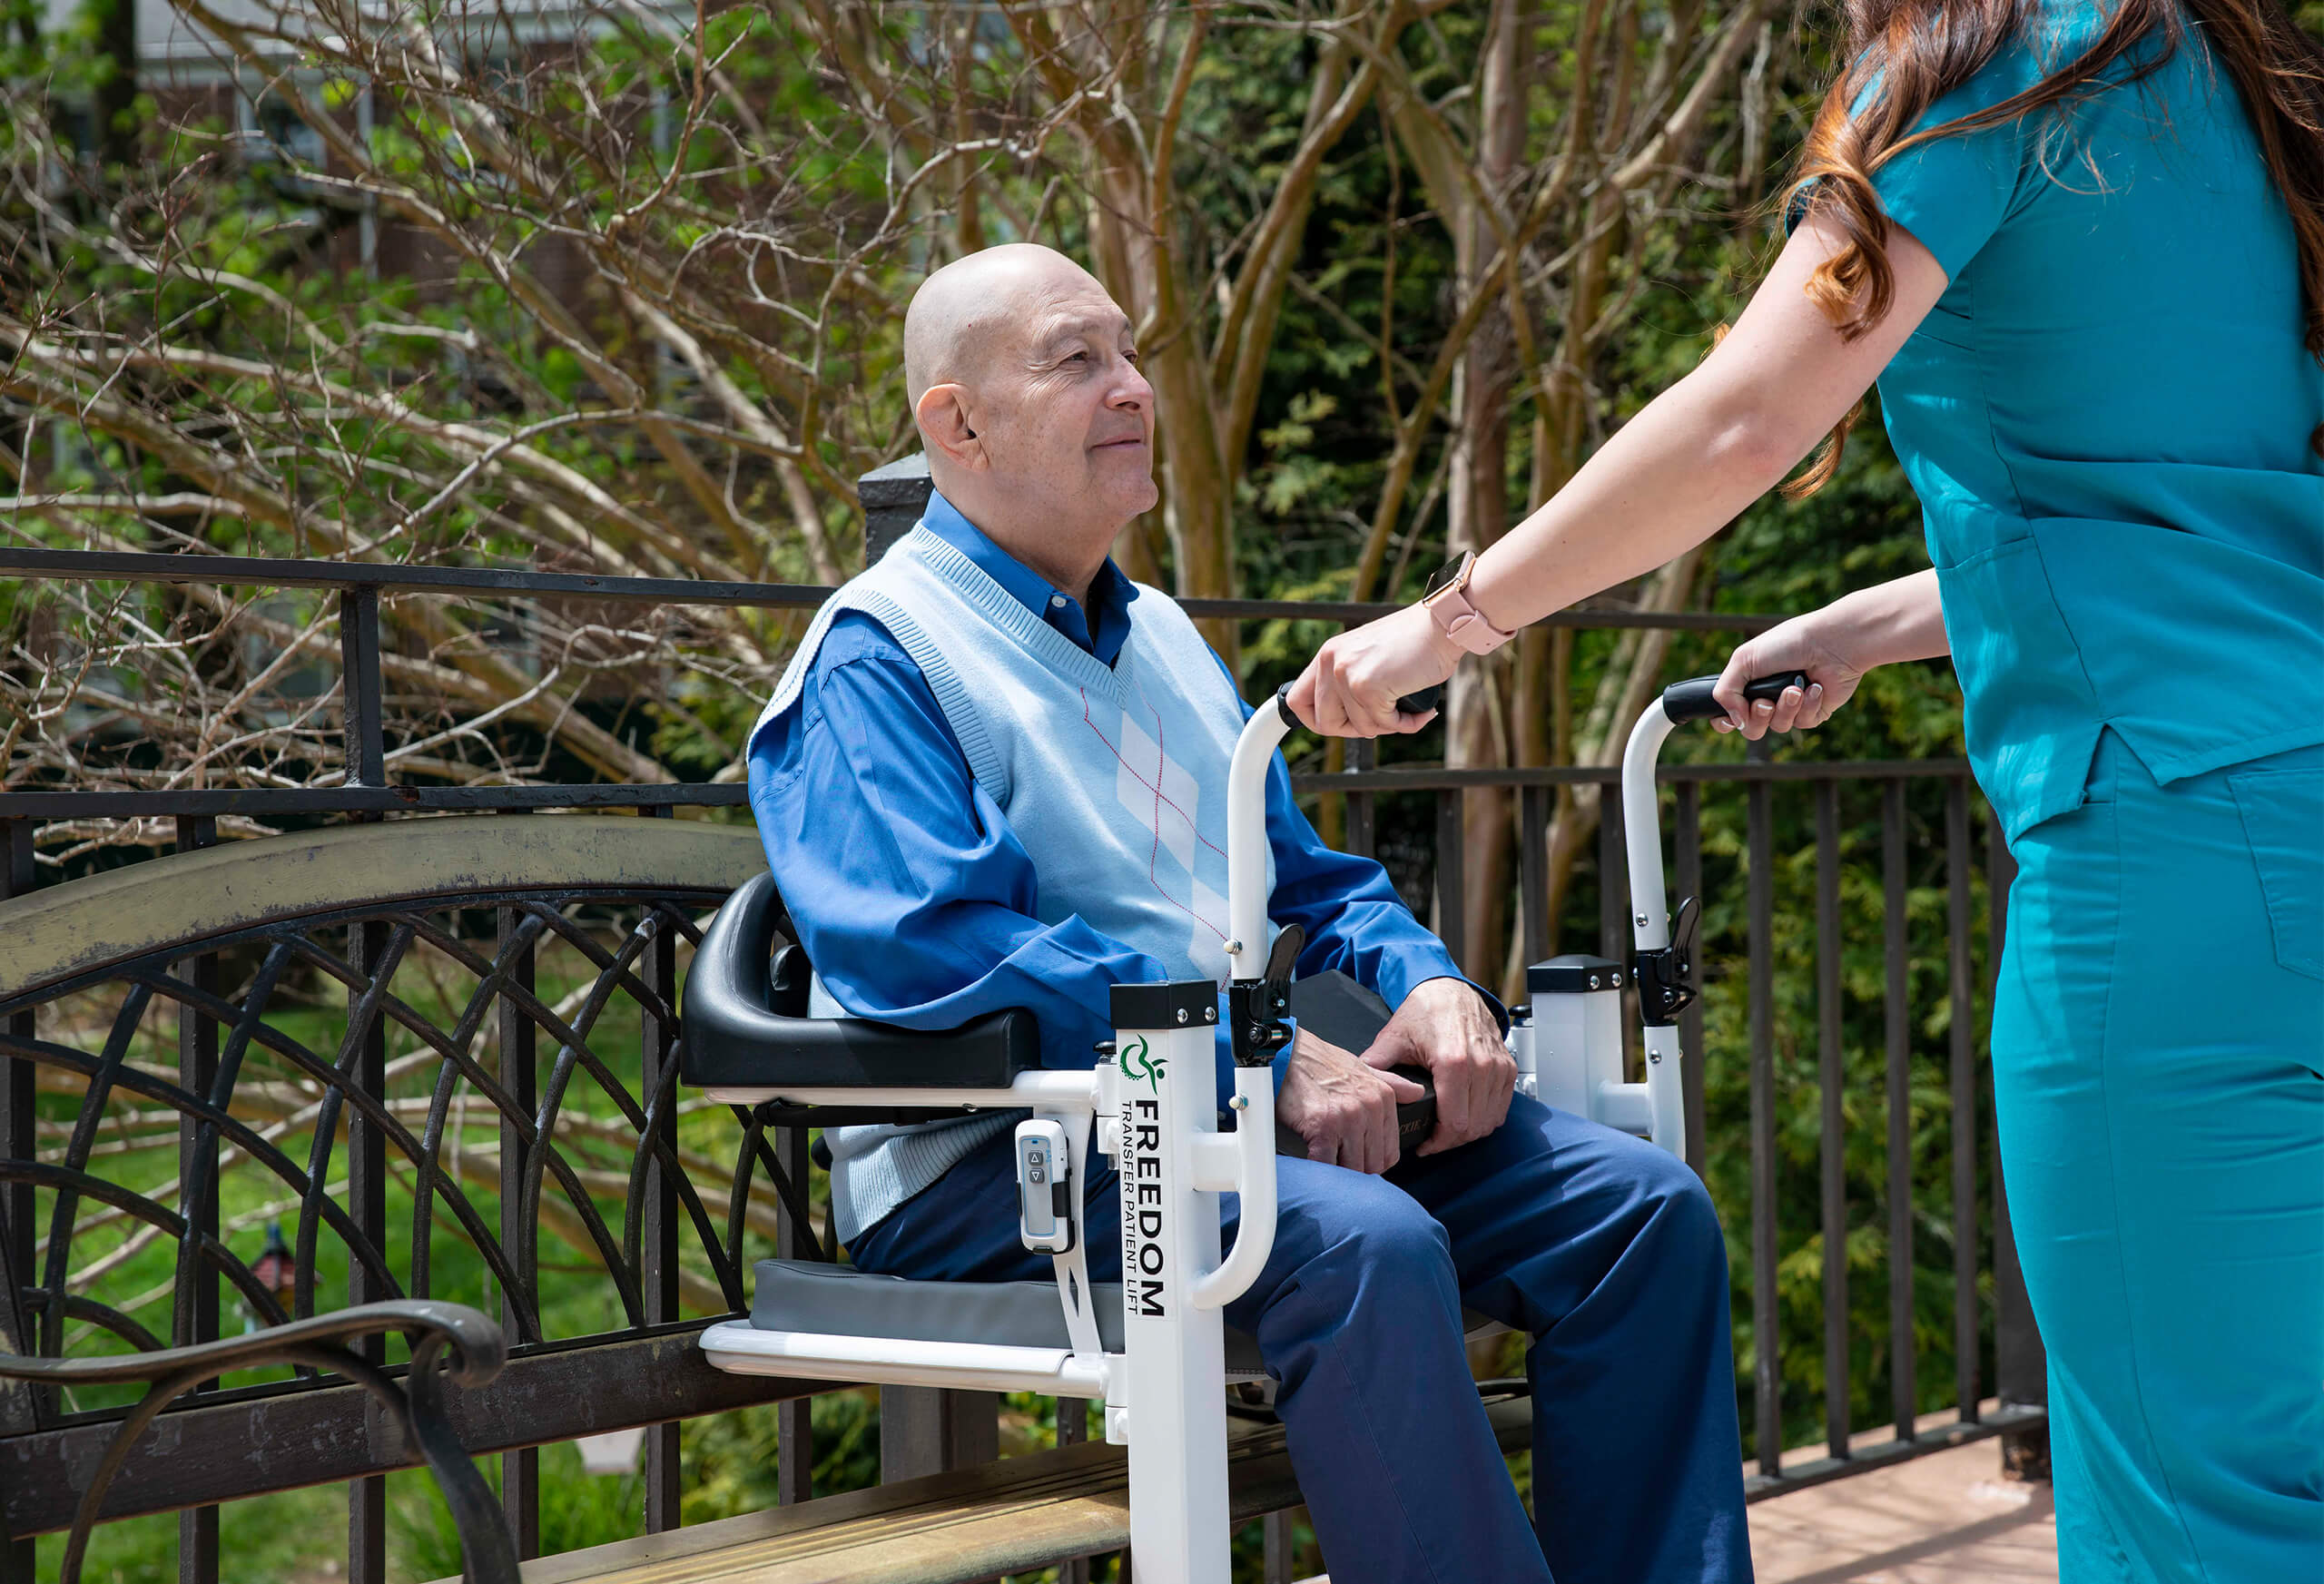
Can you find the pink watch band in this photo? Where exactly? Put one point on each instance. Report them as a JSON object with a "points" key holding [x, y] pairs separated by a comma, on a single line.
{"points": [[1460, 621]]}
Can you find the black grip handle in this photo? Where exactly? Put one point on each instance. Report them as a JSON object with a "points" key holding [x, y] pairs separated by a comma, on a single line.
{"points": [[1691, 700], [1415, 1120], [1412, 703]]}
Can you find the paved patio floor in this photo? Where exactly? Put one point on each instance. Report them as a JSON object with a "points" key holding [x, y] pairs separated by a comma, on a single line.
{"points": [[1945, 1519], [1948, 1518]]}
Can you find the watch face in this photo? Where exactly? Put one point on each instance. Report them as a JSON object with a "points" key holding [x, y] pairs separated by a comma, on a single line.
{"points": [[1443, 576]]}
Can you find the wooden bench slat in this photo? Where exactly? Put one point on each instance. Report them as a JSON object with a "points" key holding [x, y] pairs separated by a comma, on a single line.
{"points": [[1011, 1517]]}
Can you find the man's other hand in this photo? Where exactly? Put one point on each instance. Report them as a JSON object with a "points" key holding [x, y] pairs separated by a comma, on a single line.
{"points": [[1345, 1110], [1445, 1026]]}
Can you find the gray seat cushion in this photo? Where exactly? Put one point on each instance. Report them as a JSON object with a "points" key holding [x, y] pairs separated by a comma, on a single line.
{"points": [[841, 1301]]}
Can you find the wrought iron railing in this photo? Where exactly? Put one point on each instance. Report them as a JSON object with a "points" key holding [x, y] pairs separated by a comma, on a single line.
{"points": [[2017, 1376], [673, 1246]]}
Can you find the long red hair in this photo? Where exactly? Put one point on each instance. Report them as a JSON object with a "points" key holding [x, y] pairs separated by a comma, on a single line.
{"points": [[1918, 50]]}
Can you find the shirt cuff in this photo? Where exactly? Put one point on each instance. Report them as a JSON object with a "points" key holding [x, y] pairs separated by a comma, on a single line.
{"points": [[1404, 971]]}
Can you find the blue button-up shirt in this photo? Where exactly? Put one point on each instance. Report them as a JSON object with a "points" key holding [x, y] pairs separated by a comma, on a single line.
{"points": [[915, 900]]}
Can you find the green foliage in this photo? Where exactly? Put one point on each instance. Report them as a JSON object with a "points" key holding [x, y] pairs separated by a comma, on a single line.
{"points": [[733, 1462]]}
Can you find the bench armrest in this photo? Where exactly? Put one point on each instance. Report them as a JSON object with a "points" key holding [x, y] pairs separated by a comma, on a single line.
{"points": [[467, 1345]]}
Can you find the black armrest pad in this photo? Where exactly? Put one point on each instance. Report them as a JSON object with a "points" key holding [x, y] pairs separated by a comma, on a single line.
{"points": [[1335, 1009], [730, 1035]]}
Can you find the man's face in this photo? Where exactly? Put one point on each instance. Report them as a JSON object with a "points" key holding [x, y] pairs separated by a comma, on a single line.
{"points": [[1065, 415]]}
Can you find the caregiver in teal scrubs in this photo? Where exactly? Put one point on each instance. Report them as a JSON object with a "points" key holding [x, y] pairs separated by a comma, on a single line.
{"points": [[2095, 319]]}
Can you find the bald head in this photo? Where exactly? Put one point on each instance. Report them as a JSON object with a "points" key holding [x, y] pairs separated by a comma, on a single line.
{"points": [[1038, 424], [962, 314]]}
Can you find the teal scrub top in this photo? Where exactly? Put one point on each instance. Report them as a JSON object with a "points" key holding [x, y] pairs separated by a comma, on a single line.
{"points": [[2107, 418]]}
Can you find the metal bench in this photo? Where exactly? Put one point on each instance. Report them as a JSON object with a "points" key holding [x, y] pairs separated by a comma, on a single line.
{"points": [[159, 995]]}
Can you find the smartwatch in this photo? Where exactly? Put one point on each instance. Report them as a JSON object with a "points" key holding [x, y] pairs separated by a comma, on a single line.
{"points": [[1448, 603]]}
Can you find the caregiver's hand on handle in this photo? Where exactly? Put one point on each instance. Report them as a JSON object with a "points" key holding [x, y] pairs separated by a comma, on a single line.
{"points": [[1357, 682], [1834, 646]]}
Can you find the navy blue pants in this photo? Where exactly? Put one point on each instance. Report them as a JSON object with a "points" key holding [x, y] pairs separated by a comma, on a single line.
{"points": [[1600, 1247]]}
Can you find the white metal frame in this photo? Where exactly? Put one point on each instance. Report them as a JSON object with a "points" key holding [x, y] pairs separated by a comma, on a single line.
{"points": [[1153, 1109], [1649, 925], [1570, 1053]]}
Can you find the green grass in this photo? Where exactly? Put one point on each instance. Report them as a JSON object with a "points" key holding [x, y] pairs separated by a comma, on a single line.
{"points": [[283, 1539]]}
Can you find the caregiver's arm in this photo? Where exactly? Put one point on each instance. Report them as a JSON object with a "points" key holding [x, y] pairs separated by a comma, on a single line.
{"points": [[1669, 478], [1898, 620]]}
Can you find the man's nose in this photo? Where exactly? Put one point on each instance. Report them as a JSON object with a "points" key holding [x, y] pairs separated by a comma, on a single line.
{"points": [[1131, 392]]}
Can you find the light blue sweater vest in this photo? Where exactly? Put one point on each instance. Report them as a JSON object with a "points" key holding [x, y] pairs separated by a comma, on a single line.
{"points": [[1114, 778]]}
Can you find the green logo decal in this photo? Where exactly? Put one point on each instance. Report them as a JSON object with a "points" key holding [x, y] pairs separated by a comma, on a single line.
{"points": [[1149, 1068]]}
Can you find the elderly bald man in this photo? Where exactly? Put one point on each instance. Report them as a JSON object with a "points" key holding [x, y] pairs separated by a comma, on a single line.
{"points": [[993, 776]]}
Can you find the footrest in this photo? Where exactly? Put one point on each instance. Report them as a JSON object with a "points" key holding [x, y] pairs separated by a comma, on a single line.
{"points": [[809, 1298], [743, 1349]]}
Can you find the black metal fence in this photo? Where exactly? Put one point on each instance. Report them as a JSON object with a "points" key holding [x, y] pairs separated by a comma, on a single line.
{"points": [[641, 1368], [2017, 1377]]}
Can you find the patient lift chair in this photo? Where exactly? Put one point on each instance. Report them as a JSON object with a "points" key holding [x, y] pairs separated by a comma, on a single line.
{"points": [[1153, 1347]]}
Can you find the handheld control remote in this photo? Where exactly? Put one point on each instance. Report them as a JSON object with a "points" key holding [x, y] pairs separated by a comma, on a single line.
{"points": [[1044, 1188]]}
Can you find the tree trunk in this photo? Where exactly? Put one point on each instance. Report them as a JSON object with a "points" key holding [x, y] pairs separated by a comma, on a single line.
{"points": [[1477, 729], [116, 96]]}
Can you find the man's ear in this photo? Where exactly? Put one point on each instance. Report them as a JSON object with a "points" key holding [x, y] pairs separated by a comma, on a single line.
{"points": [[943, 415]]}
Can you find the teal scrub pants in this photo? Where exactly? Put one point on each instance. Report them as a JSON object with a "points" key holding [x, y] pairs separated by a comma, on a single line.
{"points": [[2159, 1080]]}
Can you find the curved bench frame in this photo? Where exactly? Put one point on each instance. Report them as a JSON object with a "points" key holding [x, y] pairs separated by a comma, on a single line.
{"points": [[141, 946], [466, 1344], [53, 936]]}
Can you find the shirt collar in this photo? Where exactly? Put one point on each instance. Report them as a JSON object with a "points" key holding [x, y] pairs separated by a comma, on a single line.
{"points": [[1110, 592]]}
